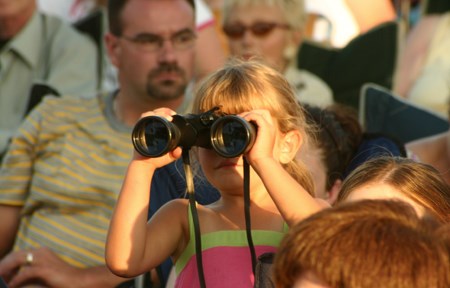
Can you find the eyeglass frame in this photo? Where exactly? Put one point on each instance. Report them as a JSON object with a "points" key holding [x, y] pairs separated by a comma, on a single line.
{"points": [[141, 41], [251, 28]]}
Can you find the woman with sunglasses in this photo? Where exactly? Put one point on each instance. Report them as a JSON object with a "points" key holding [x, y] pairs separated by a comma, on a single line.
{"points": [[272, 31]]}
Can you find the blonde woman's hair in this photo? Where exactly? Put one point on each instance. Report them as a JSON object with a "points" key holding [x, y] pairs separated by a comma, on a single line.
{"points": [[293, 10], [247, 85]]}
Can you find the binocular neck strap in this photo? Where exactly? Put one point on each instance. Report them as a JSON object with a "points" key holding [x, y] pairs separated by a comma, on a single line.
{"points": [[248, 222], [193, 205]]}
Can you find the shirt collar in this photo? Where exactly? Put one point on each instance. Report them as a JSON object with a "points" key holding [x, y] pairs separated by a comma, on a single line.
{"points": [[27, 44]]}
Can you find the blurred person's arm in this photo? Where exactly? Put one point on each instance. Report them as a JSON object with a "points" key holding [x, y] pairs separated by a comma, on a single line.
{"points": [[50, 270], [16, 174], [413, 55], [371, 13], [10, 216], [210, 54]]}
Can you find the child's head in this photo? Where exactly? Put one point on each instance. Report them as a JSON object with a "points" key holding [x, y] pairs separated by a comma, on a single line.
{"points": [[395, 177], [334, 139], [371, 243], [243, 86]]}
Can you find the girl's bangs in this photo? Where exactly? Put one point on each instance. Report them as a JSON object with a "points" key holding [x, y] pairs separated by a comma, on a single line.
{"points": [[233, 98]]}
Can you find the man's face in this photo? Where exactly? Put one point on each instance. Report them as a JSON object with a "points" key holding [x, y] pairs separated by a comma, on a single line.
{"points": [[13, 8], [160, 71]]}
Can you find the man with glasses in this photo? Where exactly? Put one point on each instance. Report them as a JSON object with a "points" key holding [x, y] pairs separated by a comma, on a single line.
{"points": [[61, 177]]}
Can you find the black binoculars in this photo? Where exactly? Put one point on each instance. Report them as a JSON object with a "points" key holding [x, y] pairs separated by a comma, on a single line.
{"points": [[229, 135]]}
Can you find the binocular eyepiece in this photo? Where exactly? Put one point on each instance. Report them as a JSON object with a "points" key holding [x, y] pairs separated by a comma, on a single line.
{"points": [[229, 135]]}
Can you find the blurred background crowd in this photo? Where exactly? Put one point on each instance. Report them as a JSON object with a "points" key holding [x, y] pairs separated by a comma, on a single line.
{"points": [[373, 78]]}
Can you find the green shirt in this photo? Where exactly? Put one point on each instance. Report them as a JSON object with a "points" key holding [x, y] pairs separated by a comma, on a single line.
{"points": [[66, 167], [49, 51]]}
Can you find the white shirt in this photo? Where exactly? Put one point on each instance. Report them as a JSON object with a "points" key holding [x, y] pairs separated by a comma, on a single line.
{"points": [[73, 10], [343, 25]]}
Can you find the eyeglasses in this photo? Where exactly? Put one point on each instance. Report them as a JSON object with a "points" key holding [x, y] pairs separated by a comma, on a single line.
{"points": [[259, 29], [147, 42]]}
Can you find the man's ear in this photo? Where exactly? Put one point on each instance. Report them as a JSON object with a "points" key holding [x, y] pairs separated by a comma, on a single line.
{"points": [[112, 48], [289, 146]]}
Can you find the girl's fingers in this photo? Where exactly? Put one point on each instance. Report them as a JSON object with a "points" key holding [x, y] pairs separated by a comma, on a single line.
{"points": [[163, 112], [257, 115], [261, 118]]}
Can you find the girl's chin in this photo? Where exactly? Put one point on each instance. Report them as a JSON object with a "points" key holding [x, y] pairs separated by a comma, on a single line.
{"points": [[227, 180]]}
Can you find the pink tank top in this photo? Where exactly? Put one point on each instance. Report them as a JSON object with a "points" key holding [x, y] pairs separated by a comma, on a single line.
{"points": [[226, 257]]}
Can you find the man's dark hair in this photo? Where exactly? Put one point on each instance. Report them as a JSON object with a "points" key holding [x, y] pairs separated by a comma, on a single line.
{"points": [[115, 8]]}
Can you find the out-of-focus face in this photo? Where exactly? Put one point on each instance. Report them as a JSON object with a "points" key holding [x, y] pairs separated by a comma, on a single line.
{"points": [[382, 191], [309, 280], [161, 73], [9, 8], [269, 45]]}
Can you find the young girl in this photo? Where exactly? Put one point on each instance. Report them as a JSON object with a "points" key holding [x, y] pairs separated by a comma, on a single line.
{"points": [[260, 95]]}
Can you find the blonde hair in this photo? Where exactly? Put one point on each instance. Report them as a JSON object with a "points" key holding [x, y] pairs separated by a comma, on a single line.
{"points": [[246, 85], [293, 10], [420, 182]]}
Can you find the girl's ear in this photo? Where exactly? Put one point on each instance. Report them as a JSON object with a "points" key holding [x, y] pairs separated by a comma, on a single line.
{"points": [[334, 191], [290, 144]]}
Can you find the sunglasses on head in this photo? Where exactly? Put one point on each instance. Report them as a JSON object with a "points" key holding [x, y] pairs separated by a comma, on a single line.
{"points": [[259, 29]]}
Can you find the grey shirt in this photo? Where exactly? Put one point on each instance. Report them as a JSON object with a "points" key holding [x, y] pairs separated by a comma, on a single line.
{"points": [[47, 50]]}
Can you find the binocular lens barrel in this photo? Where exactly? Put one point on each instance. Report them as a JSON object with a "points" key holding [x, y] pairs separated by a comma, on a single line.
{"points": [[154, 136], [230, 136]]}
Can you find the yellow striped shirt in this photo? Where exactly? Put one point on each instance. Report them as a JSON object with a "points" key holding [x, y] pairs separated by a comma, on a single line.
{"points": [[65, 167]]}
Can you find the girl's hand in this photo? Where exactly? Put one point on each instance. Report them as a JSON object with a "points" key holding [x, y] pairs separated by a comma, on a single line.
{"points": [[263, 147], [166, 158]]}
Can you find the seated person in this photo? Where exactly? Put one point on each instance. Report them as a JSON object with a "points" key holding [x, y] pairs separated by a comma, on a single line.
{"points": [[335, 137], [338, 145], [210, 52], [61, 176], [346, 19], [433, 150], [423, 70], [272, 31], [38, 48]]}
